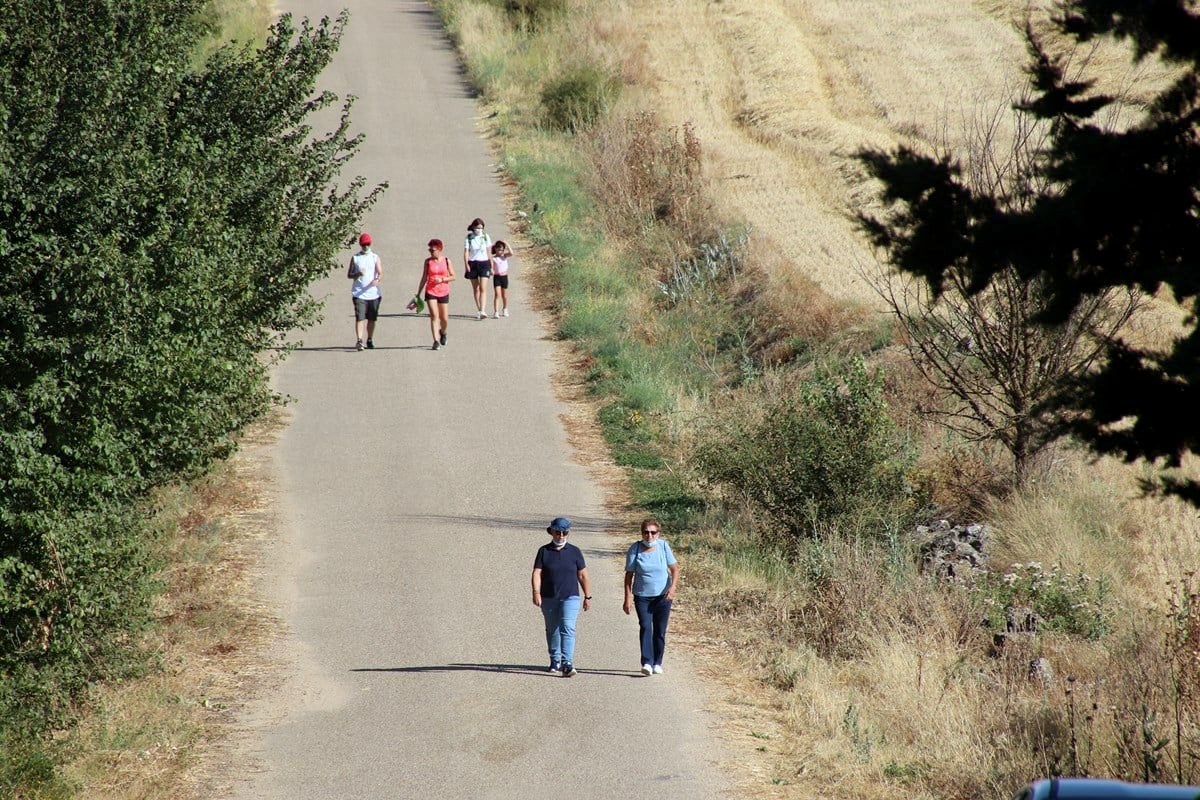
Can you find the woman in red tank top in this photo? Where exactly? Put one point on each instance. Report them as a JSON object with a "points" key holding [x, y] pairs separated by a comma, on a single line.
{"points": [[435, 281]]}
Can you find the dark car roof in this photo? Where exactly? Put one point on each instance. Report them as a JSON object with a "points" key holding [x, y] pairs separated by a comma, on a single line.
{"points": [[1091, 789]]}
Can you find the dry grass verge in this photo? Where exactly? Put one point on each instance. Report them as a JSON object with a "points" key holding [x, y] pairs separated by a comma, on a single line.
{"points": [[147, 738]]}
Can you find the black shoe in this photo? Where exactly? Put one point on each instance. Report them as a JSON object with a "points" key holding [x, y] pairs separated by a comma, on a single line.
{"points": [[568, 670], [358, 345], [436, 346], [555, 667], [442, 338], [370, 344]]}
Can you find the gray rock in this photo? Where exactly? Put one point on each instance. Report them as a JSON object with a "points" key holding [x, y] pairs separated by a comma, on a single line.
{"points": [[1041, 671]]}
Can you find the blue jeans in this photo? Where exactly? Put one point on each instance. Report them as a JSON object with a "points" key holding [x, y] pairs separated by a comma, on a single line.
{"points": [[560, 627], [653, 614]]}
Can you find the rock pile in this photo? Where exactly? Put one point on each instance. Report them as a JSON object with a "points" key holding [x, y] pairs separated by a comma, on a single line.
{"points": [[952, 552]]}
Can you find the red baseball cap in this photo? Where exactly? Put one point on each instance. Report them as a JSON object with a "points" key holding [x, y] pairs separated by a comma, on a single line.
{"points": [[364, 238]]}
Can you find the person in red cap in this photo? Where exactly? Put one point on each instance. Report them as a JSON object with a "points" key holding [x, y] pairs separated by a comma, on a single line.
{"points": [[366, 270]]}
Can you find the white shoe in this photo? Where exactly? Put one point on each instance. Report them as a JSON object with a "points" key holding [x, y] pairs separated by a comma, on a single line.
{"points": [[658, 669], [481, 315], [647, 669], [506, 312], [496, 315]]}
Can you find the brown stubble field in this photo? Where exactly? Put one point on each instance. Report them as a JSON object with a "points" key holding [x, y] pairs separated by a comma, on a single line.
{"points": [[783, 92]]}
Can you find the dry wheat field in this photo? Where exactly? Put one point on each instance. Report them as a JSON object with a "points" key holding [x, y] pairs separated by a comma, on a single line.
{"points": [[783, 92]]}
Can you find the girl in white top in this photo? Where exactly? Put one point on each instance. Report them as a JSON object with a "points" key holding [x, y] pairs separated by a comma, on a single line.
{"points": [[500, 256], [479, 268]]}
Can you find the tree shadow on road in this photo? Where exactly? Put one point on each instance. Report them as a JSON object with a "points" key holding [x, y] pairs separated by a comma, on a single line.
{"points": [[531, 523], [517, 669]]}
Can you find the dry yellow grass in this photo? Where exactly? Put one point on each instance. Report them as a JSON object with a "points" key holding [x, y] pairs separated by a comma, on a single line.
{"points": [[1096, 518], [151, 738]]}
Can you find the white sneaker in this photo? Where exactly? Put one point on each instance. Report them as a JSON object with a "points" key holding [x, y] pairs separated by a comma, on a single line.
{"points": [[647, 669], [496, 315], [481, 315], [506, 312], [658, 669]]}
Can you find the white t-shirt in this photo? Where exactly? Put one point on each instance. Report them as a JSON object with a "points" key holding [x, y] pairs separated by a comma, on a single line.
{"points": [[477, 247], [367, 264]]}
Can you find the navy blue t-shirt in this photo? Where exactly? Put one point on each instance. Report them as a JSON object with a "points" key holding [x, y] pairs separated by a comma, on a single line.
{"points": [[560, 571]]}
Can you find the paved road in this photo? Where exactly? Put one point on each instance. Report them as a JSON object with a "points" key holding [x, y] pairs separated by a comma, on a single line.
{"points": [[416, 487]]}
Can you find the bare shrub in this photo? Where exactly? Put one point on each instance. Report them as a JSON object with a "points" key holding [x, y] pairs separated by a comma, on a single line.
{"points": [[965, 481], [650, 175], [989, 350]]}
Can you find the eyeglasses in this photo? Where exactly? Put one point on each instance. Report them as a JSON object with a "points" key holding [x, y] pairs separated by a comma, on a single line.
{"points": [[651, 533], [559, 533]]}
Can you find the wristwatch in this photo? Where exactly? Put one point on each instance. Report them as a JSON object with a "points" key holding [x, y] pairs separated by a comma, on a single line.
{"points": [[587, 597]]}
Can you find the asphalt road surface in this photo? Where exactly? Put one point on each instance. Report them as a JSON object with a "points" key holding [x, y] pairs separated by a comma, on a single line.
{"points": [[416, 487]]}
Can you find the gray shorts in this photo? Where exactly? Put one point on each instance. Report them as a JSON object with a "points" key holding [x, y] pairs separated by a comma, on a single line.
{"points": [[366, 309]]}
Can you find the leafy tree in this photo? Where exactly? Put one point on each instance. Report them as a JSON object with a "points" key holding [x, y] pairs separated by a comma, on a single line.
{"points": [[1120, 208], [160, 224]]}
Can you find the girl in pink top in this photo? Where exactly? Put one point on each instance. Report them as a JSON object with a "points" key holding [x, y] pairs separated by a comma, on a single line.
{"points": [[500, 256], [435, 280]]}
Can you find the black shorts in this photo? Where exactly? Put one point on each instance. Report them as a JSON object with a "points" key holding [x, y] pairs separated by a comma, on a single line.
{"points": [[366, 309], [500, 281], [431, 299], [478, 269]]}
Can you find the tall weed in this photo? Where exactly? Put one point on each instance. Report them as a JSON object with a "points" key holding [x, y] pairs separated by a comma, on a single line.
{"points": [[649, 174]]}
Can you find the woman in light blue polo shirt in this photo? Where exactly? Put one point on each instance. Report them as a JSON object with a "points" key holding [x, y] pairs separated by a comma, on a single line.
{"points": [[651, 578]]}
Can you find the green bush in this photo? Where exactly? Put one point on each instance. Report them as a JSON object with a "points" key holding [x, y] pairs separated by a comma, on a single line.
{"points": [[579, 97], [29, 770], [825, 457]]}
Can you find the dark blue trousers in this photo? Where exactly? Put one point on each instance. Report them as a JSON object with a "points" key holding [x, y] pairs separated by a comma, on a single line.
{"points": [[653, 613]]}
